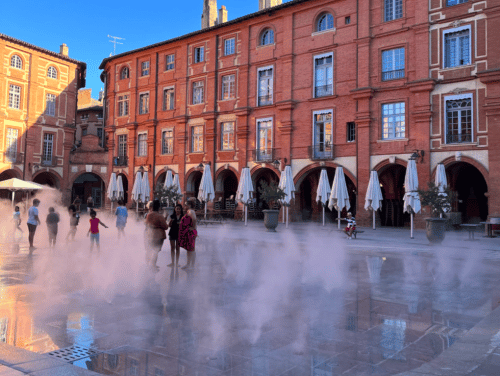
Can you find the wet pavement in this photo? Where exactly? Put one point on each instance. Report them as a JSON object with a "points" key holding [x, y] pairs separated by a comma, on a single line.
{"points": [[304, 301]]}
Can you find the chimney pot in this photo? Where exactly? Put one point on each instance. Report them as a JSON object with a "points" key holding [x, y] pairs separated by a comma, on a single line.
{"points": [[63, 49]]}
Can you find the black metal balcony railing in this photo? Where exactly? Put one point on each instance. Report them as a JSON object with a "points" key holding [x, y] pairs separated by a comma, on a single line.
{"points": [[13, 158], [49, 160], [452, 138], [321, 152], [264, 155], [393, 75], [120, 161], [265, 100], [323, 91]]}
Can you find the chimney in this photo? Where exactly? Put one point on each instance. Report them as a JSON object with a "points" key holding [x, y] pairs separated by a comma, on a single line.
{"points": [[209, 16], [264, 4], [63, 49], [222, 15]]}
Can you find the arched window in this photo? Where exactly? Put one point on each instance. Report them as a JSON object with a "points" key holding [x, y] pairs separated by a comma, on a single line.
{"points": [[16, 62], [125, 73], [52, 72], [325, 22], [267, 37]]}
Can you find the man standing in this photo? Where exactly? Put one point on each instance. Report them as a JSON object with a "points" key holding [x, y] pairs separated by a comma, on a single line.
{"points": [[156, 227], [33, 221]]}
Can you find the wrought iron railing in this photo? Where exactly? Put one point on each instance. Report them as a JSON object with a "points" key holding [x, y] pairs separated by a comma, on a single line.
{"points": [[265, 100], [13, 158], [321, 152], [49, 160], [453, 138], [323, 91], [120, 161], [393, 75], [264, 155]]}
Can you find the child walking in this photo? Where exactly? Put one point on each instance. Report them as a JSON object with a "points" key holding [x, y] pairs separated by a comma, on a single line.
{"points": [[121, 218], [52, 220], [74, 219], [16, 219], [94, 230]]}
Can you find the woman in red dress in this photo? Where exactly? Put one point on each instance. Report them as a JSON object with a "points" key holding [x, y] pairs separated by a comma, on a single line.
{"points": [[188, 234]]}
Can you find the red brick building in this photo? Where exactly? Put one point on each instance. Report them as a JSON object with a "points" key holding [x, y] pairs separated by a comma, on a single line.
{"points": [[38, 93], [316, 84]]}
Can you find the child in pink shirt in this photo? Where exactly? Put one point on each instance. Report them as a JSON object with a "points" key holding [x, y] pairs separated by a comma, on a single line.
{"points": [[94, 230]]}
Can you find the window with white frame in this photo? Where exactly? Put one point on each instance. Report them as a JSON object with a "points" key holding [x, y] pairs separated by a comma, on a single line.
{"points": [[456, 46], [198, 88], [123, 105], [167, 145], [323, 134], [267, 37], [227, 132], [197, 139], [11, 144], [228, 86], [170, 62], [122, 145], [198, 54], [265, 139], [168, 99], [325, 22], [393, 9], [323, 75], [145, 68], [143, 103], [142, 145], [52, 72], [393, 64], [16, 62], [15, 96], [449, 3], [265, 94], [125, 73], [393, 120], [48, 148], [50, 104], [229, 46], [459, 119]]}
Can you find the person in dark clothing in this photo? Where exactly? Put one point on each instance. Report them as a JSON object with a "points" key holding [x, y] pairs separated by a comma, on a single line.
{"points": [[173, 235], [52, 220]]}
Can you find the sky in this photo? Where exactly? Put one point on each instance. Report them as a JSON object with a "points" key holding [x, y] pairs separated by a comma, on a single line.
{"points": [[85, 26]]}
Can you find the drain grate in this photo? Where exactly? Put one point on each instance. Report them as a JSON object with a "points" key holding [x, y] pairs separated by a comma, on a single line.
{"points": [[74, 353]]}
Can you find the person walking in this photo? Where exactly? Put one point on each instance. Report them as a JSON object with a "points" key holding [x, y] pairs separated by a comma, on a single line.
{"points": [[16, 219], [156, 226], [74, 219], [33, 222], [90, 203], [94, 230], [121, 218], [77, 203], [52, 220], [188, 234], [173, 235]]}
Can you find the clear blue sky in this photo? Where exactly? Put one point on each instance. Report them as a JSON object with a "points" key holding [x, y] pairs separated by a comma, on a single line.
{"points": [[84, 26]]}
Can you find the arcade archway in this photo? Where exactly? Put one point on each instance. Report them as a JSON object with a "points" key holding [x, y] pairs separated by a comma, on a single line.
{"points": [[392, 180], [470, 187], [47, 178], [9, 174], [263, 174], [307, 186], [125, 187], [226, 186], [193, 184], [89, 184]]}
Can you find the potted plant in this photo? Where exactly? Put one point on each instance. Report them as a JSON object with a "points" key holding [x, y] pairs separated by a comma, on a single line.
{"points": [[440, 203], [168, 197], [271, 194]]}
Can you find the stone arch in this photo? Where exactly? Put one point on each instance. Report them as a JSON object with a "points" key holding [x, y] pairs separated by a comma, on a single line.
{"points": [[50, 178], [452, 160], [267, 174], [161, 176], [192, 182], [303, 173], [226, 184], [10, 173], [125, 182], [391, 177], [380, 167]]}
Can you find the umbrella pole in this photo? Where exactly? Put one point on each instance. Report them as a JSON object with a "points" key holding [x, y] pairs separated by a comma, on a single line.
{"points": [[287, 217], [338, 219], [411, 232], [323, 215], [13, 197], [205, 211], [246, 215], [373, 219]]}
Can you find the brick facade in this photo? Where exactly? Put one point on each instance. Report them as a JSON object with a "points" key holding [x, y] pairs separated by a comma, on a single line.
{"points": [[38, 94], [385, 86]]}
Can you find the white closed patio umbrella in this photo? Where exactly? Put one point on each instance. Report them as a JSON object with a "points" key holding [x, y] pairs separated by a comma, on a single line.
{"points": [[137, 193], [441, 181], [112, 189], [207, 191], [169, 181], [289, 188], [373, 198], [339, 197], [146, 191], [245, 190], [323, 192], [177, 184], [120, 193], [281, 185], [411, 200]]}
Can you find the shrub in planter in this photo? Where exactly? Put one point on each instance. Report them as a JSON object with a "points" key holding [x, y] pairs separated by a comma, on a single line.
{"points": [[271, 194], [440, 204], [168, 196]]}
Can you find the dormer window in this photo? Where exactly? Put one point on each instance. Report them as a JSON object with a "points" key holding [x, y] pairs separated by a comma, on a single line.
{"points": [[325, 22], [267, 37]]}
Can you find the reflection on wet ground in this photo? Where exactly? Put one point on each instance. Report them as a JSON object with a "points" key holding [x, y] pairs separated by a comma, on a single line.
{"points": [[247, 309]]}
